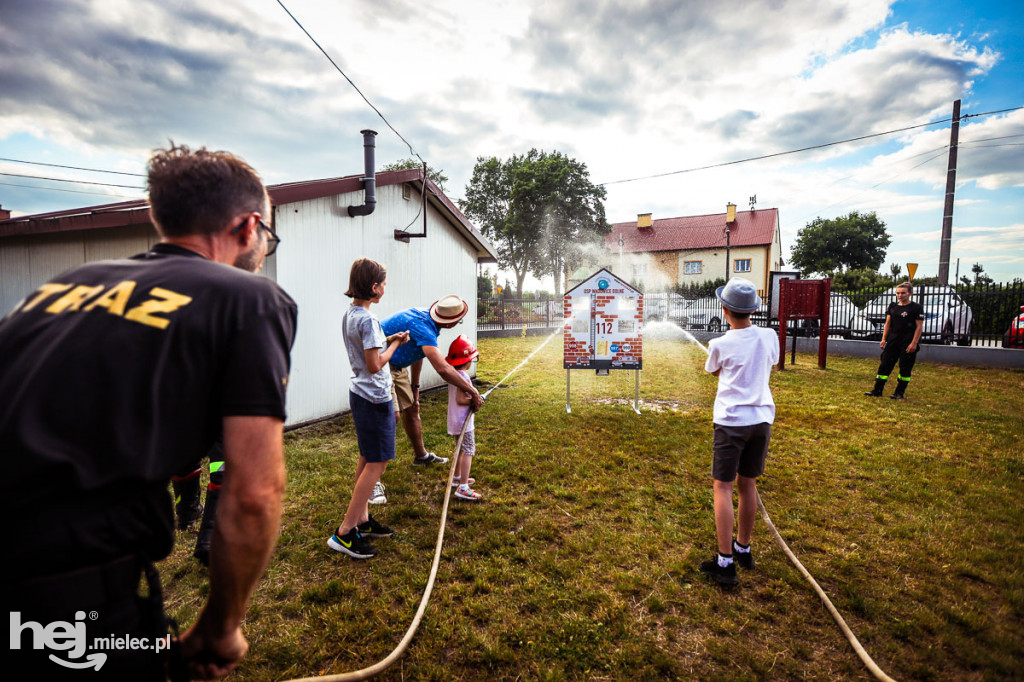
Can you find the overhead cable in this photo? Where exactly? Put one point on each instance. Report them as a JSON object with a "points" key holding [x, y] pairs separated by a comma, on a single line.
{"points": [[388, 124], [78, 182], [802, 149], [72, 191], [57, 165]]}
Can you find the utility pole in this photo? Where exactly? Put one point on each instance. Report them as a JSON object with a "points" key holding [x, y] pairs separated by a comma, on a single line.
{"points": [[730, 218], [947, 211]]}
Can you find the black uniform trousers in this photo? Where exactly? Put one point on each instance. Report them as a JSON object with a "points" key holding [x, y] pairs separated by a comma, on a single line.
{"points": [[896, 351]]}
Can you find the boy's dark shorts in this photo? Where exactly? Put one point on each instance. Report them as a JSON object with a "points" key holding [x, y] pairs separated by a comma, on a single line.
{"points": [[740, 449], [375, 428]]}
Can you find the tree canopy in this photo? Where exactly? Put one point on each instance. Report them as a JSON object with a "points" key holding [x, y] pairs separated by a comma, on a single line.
{"points": [[435, 174], [852, 242], [540, 210]]}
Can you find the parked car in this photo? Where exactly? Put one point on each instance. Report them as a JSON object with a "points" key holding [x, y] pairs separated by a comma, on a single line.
{"points": [[703, 314], [946, 317], [841, 312], [1014, 336], [662, 306]]}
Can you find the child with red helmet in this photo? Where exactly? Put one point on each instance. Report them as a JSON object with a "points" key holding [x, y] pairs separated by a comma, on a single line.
{"points": [[460, 353]]}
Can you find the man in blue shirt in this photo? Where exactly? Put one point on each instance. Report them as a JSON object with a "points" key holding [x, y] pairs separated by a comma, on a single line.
{"points": [[424, 325]]}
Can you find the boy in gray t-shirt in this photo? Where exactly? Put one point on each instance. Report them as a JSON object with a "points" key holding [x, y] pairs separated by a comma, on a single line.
{"points": [[369, 398], [362, 332]]}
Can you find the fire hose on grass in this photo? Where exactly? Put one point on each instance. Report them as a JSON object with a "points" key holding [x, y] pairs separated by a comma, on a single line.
{"points": [[399, 650], [386, 662], [864, 657], [383, 664]]}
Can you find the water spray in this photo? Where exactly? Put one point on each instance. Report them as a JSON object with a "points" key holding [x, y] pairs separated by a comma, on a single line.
{"points": [[400, 649]]}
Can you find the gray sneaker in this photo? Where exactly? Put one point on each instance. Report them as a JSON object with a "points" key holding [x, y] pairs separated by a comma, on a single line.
{"points": [[429, 458], [378, 496]]}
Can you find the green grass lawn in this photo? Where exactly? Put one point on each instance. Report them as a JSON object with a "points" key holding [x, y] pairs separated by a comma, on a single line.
{"points": [[580, 563]]}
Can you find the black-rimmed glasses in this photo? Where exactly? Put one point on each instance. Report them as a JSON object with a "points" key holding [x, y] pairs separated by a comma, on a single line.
{"points": [[272, 241]]}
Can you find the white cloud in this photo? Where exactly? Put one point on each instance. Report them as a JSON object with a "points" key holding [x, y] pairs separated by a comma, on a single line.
{"points": [[629, 88]]}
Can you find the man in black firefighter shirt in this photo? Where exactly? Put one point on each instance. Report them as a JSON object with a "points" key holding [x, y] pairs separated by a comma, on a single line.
{"points": [[901, 339], [117, 375]]}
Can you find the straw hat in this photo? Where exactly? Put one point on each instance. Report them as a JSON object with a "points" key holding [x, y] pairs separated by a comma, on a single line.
{"points": [[739, 295], [448, 310]]}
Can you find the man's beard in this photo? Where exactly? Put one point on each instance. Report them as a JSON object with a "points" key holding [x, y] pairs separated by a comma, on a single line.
{"points": [[251, 260]]}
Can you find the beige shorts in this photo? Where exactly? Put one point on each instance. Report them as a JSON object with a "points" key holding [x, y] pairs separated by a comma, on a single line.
{"points": [[401, 388]]}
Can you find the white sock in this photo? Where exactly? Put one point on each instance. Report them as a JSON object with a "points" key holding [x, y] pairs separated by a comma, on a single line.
{"points": [[737, 547], [724, 561]]}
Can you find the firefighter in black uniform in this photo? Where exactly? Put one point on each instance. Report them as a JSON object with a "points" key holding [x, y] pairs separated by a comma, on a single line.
{"points": [[901, 339], [117, 375]]}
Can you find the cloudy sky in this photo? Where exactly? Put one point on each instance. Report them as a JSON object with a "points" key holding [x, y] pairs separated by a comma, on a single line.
{"points": [[631, 88]]}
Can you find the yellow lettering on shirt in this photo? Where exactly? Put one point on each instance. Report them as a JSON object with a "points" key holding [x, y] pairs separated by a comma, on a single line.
{"points": [[168, 302], [74, 299], [114, 299], [45, 291]]}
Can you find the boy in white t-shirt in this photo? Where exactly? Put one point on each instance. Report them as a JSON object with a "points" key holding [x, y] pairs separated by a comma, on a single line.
{"points": [[742, 359]]}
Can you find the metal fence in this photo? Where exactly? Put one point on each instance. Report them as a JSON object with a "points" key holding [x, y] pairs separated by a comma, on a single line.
{"points": [[967, 315], [517, 313]]}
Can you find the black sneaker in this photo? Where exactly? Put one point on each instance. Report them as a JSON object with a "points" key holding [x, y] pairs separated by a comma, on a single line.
{"points": [[744, 559], [352, 544], [373, 529], [429, 458], [898, 396], [722, 576]]}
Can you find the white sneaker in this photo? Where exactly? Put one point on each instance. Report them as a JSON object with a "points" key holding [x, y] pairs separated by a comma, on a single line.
{"points": [[378, 496]]}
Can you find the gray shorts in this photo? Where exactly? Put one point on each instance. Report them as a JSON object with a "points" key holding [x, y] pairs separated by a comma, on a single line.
{"points": [[468, 443], [740, 449]]}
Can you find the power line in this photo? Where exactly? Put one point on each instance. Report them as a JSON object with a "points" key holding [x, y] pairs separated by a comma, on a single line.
{"points": [[941, 153], [78, 182], [72, 191], [802, 149], [299, 24], [57, 165]]}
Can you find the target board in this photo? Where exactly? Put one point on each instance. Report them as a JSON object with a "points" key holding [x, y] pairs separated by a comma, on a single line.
{"points": [[603, 324]]}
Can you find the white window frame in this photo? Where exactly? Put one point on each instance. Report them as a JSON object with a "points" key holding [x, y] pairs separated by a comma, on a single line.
{"points": [[688, 263], [736, 264]]}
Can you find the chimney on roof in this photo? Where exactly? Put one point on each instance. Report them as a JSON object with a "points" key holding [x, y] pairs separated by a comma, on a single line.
{"points": [[643, 220], [4, 213], [730, 214]]}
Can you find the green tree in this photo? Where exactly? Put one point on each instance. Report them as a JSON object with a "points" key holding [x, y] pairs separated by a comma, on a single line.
{"points": [[435, 174], [851, 242], [856, 280], [895, 269], [554, 192], [540, 210], [488, 202], [979, 275], [484, 286]]}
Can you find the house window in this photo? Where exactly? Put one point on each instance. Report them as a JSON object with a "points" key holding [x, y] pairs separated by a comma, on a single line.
{"points": [[741, 265], [692, 267], [639, 269]]}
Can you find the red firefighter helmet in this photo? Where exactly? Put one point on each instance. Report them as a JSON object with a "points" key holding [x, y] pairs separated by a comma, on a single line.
{"points": [[461, 351]]}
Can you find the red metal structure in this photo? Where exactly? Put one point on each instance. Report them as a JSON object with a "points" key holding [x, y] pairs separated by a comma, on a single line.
{"points": [[804, 299]]}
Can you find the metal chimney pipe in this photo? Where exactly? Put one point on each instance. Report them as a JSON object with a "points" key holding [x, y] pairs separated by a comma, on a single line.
{"points": [[369, 177]]}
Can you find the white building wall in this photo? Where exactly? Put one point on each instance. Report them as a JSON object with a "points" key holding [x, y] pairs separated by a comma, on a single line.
{"points": [[29, 261], [320, 242]]}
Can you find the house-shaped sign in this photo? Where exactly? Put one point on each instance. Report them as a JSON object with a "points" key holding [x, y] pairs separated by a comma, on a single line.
{"points": [[603, 321]]}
